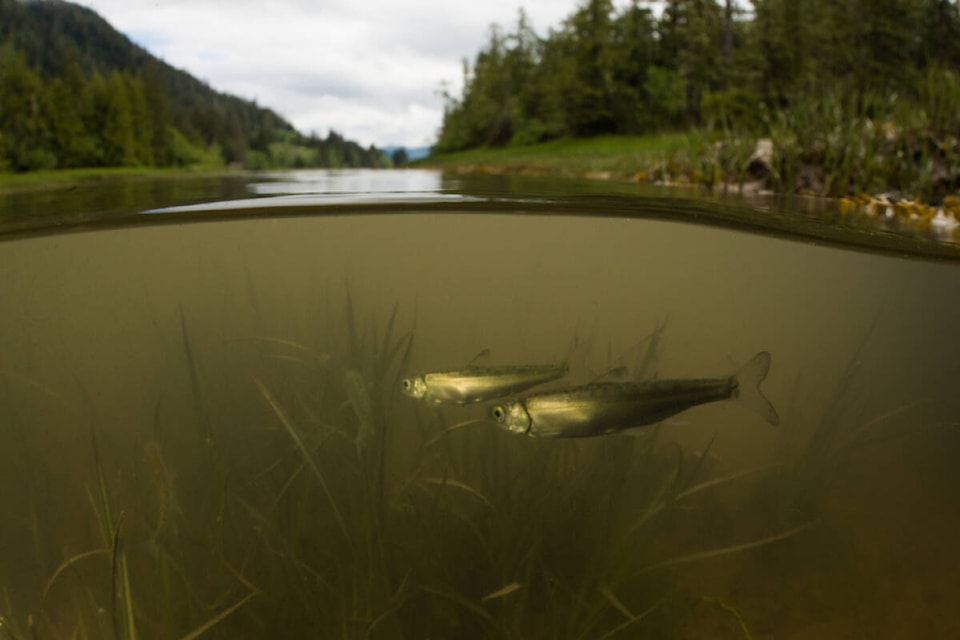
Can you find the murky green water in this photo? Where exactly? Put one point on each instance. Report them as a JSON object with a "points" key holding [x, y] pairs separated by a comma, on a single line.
{"points": [[187, 446]]}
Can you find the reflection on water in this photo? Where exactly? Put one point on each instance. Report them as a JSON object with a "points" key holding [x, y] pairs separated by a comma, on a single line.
{"points": [[348, 181], [204, 430], [347, 191], [67, 205]]}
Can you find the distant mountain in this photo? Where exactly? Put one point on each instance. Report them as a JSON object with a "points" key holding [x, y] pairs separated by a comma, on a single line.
{"points": [[412, 153], [415, 153], [55, 38]]}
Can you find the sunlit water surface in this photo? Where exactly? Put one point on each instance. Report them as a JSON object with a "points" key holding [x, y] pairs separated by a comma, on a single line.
{"points": [[203, 427]]}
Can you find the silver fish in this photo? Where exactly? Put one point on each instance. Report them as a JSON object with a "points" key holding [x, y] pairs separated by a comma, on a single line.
{"points": [[479, 384], [609, 407]]}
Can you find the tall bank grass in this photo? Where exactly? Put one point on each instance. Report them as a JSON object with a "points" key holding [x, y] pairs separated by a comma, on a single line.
{"points": [[834, 142]]}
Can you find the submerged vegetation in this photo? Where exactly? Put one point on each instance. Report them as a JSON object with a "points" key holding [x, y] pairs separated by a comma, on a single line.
{"points": [[319, 499], [845, 97]]}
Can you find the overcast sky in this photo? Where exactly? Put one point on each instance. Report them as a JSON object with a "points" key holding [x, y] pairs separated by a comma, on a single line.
{"points": [[369, 69]]}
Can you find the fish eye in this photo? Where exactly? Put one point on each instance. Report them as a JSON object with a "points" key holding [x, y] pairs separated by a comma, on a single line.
{"points": [[406, 384], [499, 414]]}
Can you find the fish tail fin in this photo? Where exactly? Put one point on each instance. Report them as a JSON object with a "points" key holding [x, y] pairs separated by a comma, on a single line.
{"points": [[747, 381]]}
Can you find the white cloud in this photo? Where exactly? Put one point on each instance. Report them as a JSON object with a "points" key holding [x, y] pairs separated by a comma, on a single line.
{"points": [[370, 70]]}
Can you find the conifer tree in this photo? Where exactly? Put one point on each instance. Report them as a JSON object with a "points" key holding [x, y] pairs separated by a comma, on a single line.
{"points": [[25, 134], [119, 143]]}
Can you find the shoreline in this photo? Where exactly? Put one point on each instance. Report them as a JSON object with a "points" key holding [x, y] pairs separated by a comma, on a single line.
{"points": [[71, 178], [675, 160]]}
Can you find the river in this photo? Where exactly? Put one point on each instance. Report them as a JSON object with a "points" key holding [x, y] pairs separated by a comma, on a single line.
{"points": [[204, 427]]}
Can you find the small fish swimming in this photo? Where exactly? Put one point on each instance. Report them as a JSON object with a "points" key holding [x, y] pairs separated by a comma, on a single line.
{"points": [[479, 384], [608, 407]]}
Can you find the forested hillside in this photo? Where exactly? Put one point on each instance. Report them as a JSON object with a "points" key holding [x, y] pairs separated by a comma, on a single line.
{"points": [[74, 92], [700, 62]]}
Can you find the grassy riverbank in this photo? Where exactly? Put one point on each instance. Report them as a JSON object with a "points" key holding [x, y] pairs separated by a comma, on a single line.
{"points": [[619, 157], [66, 178], [842, 161], [892, 169]]}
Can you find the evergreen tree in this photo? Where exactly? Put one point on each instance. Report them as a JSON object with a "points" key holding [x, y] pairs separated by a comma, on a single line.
{"points": [[140, 119], [119, 142], [697, 31], [939, 22], [25, 133], [632, 56], [64, 116], [590, 30], [158, 117], [235, 141], [399, 157]]}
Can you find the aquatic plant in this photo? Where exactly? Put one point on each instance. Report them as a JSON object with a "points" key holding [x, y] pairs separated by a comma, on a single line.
{"points": [[284, 485], [820, 451]]}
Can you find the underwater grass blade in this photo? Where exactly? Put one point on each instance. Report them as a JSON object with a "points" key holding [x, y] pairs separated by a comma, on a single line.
{"points": [[320, 357], [633, 620], [829, 429], [287, 484], [308, 358], [306, 364], [353, 339], [460, 425], [463, 602], [217, 619], [194, 375], [702, 458], [447, 482], [388, 335], [69, 562], [733, 612], [252, 294], [502, 592], [127, 599], [714, 482], [725, 551], [615, 602], [42, 388], [398, 600], [915, 431], [657, 503], [647, 366], [104, 517], [10, 633], [403, 341], [278, 411], [5, 626], [886, 416], [117, 564], [242, 579]]}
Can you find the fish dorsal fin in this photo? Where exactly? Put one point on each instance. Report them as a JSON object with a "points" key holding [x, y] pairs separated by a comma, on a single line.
{"points": [[614, 374], [480, 359]]}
